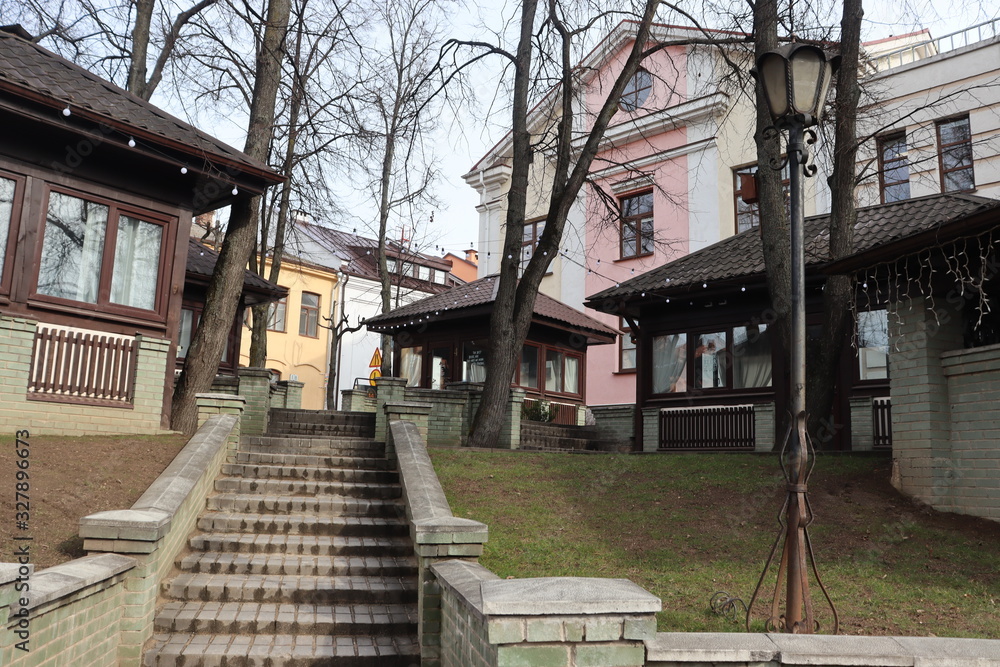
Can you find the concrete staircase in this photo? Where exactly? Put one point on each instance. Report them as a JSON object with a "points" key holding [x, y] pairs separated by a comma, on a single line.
{"points": [[558, 437], [303, 557]]}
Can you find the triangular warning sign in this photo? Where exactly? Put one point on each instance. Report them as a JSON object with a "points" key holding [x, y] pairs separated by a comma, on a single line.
{"points": [[376, 361]]}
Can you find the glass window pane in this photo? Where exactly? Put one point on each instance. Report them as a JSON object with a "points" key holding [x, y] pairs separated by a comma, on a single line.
{"points": [[137, 263], [751, 356], [553, 370], [571, 381], [959, 180], [529, 366], [670, 363], [187, 330], [7, 188], [647, 235], [72, 249], [440, 367], [276, 315], [473, 362], [873, 345], [410, 359], [897, 192], [710, 361]]}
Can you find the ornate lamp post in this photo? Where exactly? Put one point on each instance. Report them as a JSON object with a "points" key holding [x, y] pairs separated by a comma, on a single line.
{"points": [[794, 81]]}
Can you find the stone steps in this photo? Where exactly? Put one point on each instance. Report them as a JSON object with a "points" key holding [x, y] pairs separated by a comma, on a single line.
{"points": [[311, 473], [303, 557], [282, 564], [314, 545], [284, 650], [301, 524], [286, 504], [275, 618], [304, 589], [306, 488]]}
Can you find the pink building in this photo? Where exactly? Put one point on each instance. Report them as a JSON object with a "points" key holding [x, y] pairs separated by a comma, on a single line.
{"points": [[667, 173]]}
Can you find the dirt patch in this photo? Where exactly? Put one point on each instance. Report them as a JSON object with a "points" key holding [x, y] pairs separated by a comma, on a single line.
{"points": [[70, 478]]}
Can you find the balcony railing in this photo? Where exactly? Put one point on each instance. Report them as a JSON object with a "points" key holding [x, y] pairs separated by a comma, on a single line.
{"points": [[728, 427], [932, 47]]}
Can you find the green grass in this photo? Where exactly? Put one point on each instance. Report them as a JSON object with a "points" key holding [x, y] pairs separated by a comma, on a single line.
{"points": [[686, 526]]}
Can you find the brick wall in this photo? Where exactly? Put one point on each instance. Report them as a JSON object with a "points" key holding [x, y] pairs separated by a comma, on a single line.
{"points": [[445, 423], [615, 422], [52, 418], [862, 424], [650, 429]]}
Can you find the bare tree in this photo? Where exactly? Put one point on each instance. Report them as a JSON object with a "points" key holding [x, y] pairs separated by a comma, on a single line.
{"points": [[118, 39], [202, 361]]}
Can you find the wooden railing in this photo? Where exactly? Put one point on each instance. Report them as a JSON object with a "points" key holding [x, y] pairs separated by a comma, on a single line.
{"points": [[75, 366], [882, 423], [562, 413], [715, 427]]}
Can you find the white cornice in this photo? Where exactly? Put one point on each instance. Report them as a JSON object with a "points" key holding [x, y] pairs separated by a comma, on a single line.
{"points": [[649, 160], [645, 127]]}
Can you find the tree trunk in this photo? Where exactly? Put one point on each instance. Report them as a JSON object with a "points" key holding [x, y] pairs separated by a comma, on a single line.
{"points": [[774, 223], [838, 294], [202, 362], [136, 83]]}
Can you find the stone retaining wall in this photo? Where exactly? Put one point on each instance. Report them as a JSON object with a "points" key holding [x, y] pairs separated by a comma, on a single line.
{"points": [[98, 610]]}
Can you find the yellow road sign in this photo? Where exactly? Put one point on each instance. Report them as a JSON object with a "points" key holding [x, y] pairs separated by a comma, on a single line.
{"points": [[373, 375], [376, 361]]}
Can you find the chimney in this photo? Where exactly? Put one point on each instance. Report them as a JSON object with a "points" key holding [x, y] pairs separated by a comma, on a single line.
{"points": [[472, 256]]}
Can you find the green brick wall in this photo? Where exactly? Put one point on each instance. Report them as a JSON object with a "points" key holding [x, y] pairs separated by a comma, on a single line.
{"points": [[52, 418]]}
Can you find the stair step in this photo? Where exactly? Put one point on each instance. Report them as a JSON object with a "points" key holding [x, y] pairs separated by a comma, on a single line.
{"points": [[283, 504], [306, 488], [317, 446], [322, 430], [313, 473], [300, 524], [272, 618], [303, 589], [323, 416], [330, 461], [237, 563], [192, 650], [315, 545]]}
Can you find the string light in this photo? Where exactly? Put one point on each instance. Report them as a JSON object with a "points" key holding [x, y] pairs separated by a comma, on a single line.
{"points": [[131, 142], [743, 288], [184, 170], [66, 112], [236, 190]]}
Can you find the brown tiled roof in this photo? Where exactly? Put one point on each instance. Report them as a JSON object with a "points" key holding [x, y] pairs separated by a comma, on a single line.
{"points": [[458, 301], [741, 257], [32, 72], [361, 256], [201, 263]]}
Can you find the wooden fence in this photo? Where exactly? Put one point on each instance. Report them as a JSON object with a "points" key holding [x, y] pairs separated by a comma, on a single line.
{"points": [[74, 366], [709, 428]]}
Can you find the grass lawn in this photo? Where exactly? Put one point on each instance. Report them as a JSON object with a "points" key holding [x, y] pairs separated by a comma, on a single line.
{"points": [[686, 526], [72, 477]]}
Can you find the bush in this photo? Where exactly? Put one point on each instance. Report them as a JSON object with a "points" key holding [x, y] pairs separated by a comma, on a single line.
{"points": [[537, 411]]}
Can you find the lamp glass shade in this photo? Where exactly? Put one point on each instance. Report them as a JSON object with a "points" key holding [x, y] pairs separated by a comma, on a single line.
{"points": [[807, 75], [774, 78]]}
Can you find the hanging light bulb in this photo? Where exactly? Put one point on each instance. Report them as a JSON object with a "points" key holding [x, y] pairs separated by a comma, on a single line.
{"points": [[668, 300], [643, 295], [236, 190], [743, 288], [184, 170], [131, 142], [66, 112], [704, 285]]}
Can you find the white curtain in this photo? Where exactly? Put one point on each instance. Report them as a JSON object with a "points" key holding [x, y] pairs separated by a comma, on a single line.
{"points": [[669, 363], [72, 248], [7, 187], [137, 263], [410, 362], [751, 357], [571, 384]]}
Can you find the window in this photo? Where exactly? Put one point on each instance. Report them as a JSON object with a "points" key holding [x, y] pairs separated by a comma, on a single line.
{"points": [[894, 169], [739, 357], [10, 196], [410, 362], [626, 348], [390, 265], [637, 90], [751, 355], [473, 362], [637, 225], [276, 315], [744, 188], [528, 376], [955, 143], [710, 361], [529, 240], [75, 254], [309, 315], [873, 345], [562, 372], [186, 332]]}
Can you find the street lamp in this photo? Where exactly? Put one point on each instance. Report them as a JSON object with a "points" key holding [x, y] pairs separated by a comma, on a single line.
{"points": [[794, 79]]}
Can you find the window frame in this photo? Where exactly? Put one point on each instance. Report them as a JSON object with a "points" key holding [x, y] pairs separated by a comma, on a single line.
{"points": [[283, 303], [692, 336], [537, 387], [786, 185], [633, 98], [942, 147], [858, 380], [10, 247], [103, 304], [636, 219], [565, 354], [528, 247], [625, 333], [305, 312], [881, 143]]}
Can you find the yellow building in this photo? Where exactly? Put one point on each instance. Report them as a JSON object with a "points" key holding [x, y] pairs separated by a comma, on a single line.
{"points": [[298, 340]]}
